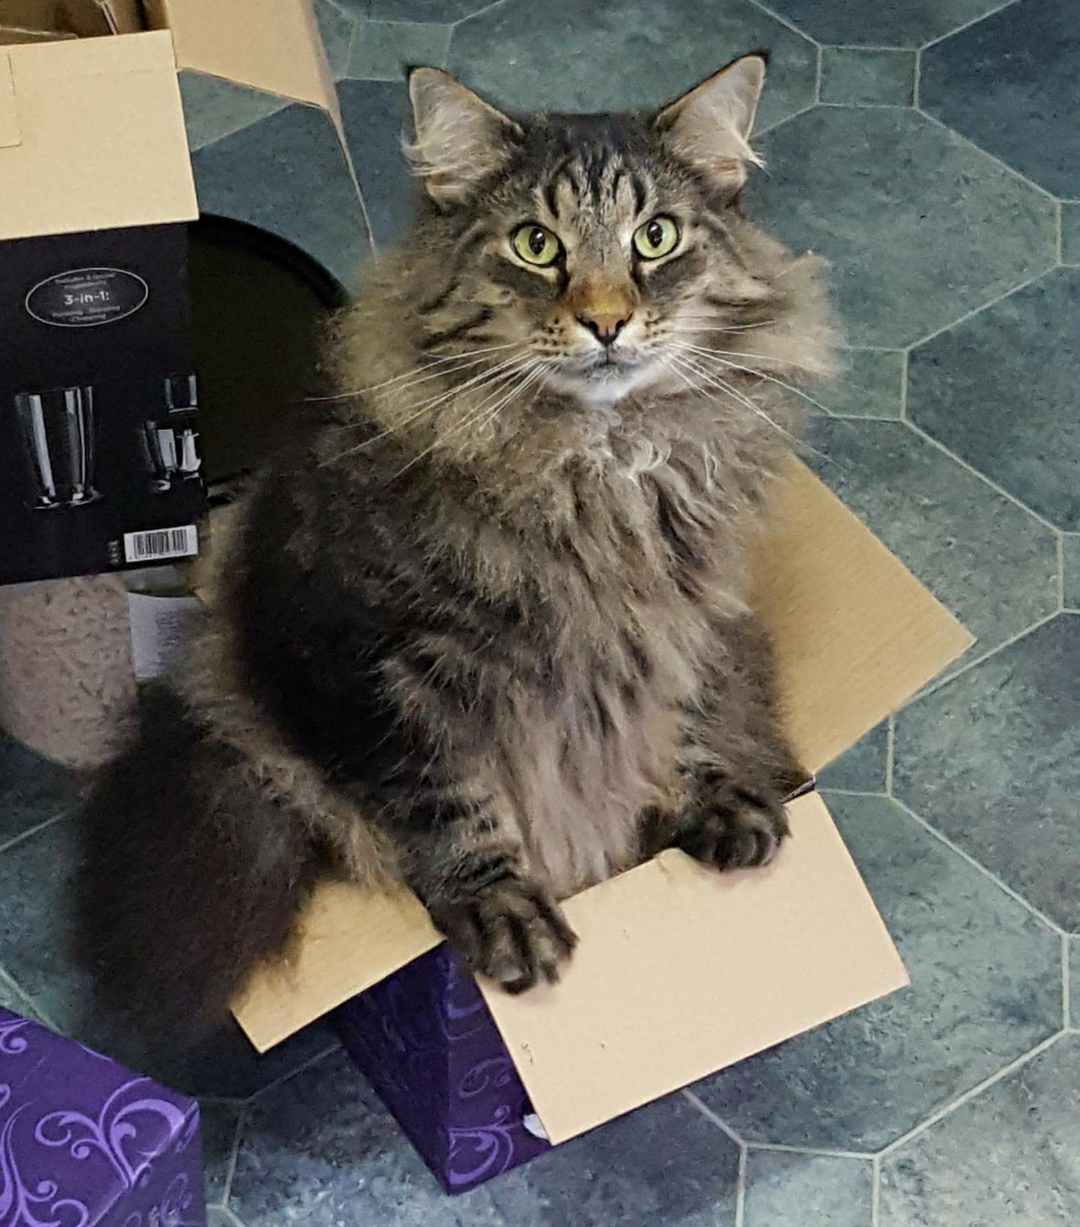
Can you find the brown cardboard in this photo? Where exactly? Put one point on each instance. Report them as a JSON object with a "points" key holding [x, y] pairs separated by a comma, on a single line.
{"points": [[266, 44], [852, 624], [100, 140], [720, 965], [855, 634]]}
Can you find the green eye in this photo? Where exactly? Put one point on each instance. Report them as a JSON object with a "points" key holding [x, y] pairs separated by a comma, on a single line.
{"points": [[535, 245], [656, 238]]}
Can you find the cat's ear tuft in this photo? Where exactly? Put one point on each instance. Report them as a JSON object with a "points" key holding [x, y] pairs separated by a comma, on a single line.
{"points": [[710, 125], [459, 138]]}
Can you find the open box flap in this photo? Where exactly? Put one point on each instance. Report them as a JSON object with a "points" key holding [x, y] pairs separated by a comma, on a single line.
{"points": [[856, 636], [271, 45], [98, 138], [681, 971], [854, 632]]}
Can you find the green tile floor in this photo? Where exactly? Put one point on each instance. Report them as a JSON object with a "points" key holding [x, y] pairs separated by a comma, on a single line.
{"points": [[930, 151]]}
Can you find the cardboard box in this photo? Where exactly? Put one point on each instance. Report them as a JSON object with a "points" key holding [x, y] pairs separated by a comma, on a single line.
{"points": [[100, 452], [720, 966], [84, 1140]]}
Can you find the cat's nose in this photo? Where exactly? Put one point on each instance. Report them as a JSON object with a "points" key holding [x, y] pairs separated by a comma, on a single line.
{"points": [[604, 327]]}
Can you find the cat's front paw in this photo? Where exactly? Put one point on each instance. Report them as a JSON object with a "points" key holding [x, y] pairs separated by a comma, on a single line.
{"points": [[736, 829], [512, 931]]}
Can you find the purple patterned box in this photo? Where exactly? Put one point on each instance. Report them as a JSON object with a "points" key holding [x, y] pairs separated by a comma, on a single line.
{"points": [[86, 1143], [425, 1040]]}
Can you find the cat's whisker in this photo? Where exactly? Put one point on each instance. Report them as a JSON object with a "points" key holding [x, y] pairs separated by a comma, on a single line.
{"points": [[470, 420], [715, 381], [429, 362], [710, 320], [708, 351], [494, 374], [735, 366]]}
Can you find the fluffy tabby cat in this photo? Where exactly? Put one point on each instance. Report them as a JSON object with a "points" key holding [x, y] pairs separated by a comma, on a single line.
{"points": [[487, 631]]}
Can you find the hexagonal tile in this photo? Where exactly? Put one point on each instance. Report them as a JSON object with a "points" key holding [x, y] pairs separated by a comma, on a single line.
{"points": [[993, 761], [864, 767], [384, 50], [214, 107], [36, 938], [336, 28], [219, 1125], [321, 1150], [1071, 570], [999, 389], [1070, 232], [889, 23], [664, 1164], [1010, 1156], [985, 988], [867, 76], [810, 1190], [919, 227], [33, 789], [990, 562], [1074, 983], [263, 174], [1010, 84], [624, 54], [374, 114], [417, 10], [870, 384]]}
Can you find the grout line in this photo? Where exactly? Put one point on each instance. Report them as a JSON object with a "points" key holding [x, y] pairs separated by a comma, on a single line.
{"points": [[916, 83], [234, 1154], [1052, 925], [18, 839], [867, 106], [786, 120], [25, 997], [978, 660], [972, 22], [967, 1096], [784, 21], [740, 1188], [817, 1152], [469, 16], [1066, 984], [990, 302], [904, 384], [1061, 571], [350, 51], [971, 144], [709, 1114], [890, 754], [869, 47], [817, 74], [875, 1191], [918, 430], [1060, 241], [272, 1086]]}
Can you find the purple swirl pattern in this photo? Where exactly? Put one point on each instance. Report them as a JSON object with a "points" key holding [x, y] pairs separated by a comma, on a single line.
{"points": [[83, 1141], [426, 1041], [12, 1042], [115, 1133]]}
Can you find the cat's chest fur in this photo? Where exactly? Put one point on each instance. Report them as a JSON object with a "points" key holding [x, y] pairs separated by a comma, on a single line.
{"points": [[638, 580]]}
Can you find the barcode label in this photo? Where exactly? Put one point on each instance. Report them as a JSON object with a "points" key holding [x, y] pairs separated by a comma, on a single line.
{"points": [[161, 543]]}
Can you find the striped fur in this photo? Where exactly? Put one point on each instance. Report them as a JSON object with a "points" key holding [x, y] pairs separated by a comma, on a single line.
{"points": [[486, 629]]}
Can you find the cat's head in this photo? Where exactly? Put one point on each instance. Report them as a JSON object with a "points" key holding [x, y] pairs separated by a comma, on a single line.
{"points": [[595, 248]]}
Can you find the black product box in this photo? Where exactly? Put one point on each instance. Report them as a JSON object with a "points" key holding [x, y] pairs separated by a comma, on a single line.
{"points": [[100, 467]]}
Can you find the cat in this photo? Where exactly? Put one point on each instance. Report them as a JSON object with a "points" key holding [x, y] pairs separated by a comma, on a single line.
{"points": [[485, 629]]}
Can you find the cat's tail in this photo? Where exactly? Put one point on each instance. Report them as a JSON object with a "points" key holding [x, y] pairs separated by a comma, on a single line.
{"points": [[193, 874]]}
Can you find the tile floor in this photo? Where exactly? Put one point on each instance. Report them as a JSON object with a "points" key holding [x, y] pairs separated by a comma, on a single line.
{"points": [[930, 150]]}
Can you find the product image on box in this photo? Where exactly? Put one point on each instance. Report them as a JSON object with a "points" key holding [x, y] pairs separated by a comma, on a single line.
{"points": [[58, 430]]}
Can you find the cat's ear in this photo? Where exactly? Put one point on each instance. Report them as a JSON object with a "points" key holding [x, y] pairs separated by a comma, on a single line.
{"points": [[710, 125], [460, 139]]}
